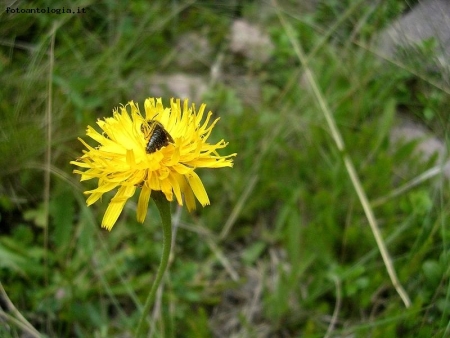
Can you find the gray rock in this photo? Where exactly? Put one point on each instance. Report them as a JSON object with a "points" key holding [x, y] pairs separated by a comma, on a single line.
{"points": [[428, 19], [193, 51], [250, 41], [179, 85], [428, 145]]}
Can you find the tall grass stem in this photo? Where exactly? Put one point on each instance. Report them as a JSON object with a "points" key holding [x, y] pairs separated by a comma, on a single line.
{"points": [[338, 140]]}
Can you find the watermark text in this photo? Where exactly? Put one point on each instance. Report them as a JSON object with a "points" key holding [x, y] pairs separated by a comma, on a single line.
{"points": [[45, 10]]}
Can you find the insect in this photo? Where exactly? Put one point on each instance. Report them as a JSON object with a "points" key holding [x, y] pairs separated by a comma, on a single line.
{"points": [[156, 135]]}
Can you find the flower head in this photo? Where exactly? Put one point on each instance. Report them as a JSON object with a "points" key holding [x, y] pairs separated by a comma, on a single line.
{"points": [[157, 152]]}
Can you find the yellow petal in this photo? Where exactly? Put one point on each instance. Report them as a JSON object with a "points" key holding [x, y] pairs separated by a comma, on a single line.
{"points": [[116, 205], [142, 207], [189, 197], [198, 188]]}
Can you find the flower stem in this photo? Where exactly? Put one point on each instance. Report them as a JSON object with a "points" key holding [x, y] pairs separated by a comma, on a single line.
{"points": [[164, 211]]}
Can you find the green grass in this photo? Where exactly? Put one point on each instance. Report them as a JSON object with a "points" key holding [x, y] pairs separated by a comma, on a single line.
{"points": [[285, 249]]}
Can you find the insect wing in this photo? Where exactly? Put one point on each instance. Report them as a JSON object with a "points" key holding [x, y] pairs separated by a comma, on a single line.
{"points": [[157, 136]]}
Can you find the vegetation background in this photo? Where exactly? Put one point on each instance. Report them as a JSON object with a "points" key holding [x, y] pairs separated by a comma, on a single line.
{"points": [[285, 249]]}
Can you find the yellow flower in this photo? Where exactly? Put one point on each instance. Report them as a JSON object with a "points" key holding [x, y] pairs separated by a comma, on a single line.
{"points": [[159, 152]]}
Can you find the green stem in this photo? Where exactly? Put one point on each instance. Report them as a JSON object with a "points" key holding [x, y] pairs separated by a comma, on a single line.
{"points": [[164, 211]]}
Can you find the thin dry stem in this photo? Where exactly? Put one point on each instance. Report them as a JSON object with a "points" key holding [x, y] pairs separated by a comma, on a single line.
{"points": [[238, 208], [347, 161], [48, 154], [18, 320], [337, 307], [428, 174]]}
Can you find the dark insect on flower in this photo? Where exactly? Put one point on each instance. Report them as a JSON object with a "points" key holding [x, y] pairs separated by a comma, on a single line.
{"points": [[157, 136]]}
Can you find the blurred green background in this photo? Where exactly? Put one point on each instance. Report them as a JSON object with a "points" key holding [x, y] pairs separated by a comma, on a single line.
{"points": [[285, 248]]}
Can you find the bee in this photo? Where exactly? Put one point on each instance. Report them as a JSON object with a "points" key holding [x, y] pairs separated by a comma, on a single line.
{"points": [[156, 135]]}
